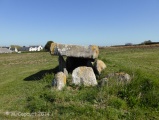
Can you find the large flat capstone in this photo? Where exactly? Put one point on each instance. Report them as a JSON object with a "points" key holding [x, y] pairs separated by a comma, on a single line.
{"points": [[91, 51]]}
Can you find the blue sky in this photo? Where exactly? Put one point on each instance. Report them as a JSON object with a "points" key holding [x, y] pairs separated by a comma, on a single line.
{"points": [[82, 22]]}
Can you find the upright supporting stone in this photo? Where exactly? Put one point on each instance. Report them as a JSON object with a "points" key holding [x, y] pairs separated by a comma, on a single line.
{"points": [[62, 65], [84, 76], [99, 66], [59, 81]]}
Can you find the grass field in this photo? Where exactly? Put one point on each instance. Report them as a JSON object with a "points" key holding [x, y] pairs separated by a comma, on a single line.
{"points": [[25, 87]]}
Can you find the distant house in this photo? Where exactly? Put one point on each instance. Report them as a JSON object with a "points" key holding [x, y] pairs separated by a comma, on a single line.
{"points": [[35, 48], [5, 50], [24, 48], [14, 49], [31, 48]]}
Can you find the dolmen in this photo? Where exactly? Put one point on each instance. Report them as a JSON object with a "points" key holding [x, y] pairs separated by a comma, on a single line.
{"points": [[80, 61]]}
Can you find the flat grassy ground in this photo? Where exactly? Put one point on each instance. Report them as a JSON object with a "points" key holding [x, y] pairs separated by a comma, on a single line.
{"points": [[19, 75], [25, 87]]}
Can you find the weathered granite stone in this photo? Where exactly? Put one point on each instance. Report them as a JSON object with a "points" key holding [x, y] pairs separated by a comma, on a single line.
{"points": [[59, 81], [99, 66], [123, 77], [103, 82], [62, 65], [120, 77], [84, 76], [74, 50]]}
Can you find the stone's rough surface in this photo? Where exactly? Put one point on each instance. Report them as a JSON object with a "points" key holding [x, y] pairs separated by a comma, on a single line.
{"points": [[123, 77], [52, 47], [59, 81], [94, 50], [84, 76], [103, 82], [74, 50], [62, 65], [99, 66], [120, 77]]}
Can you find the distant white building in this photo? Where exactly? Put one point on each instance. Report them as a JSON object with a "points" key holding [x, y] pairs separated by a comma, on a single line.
{"points": [[13, 49], [35, 48], [5, 50]]}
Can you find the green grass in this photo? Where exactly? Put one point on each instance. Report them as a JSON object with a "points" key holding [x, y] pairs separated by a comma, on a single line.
{"points": [[25, 86]]}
